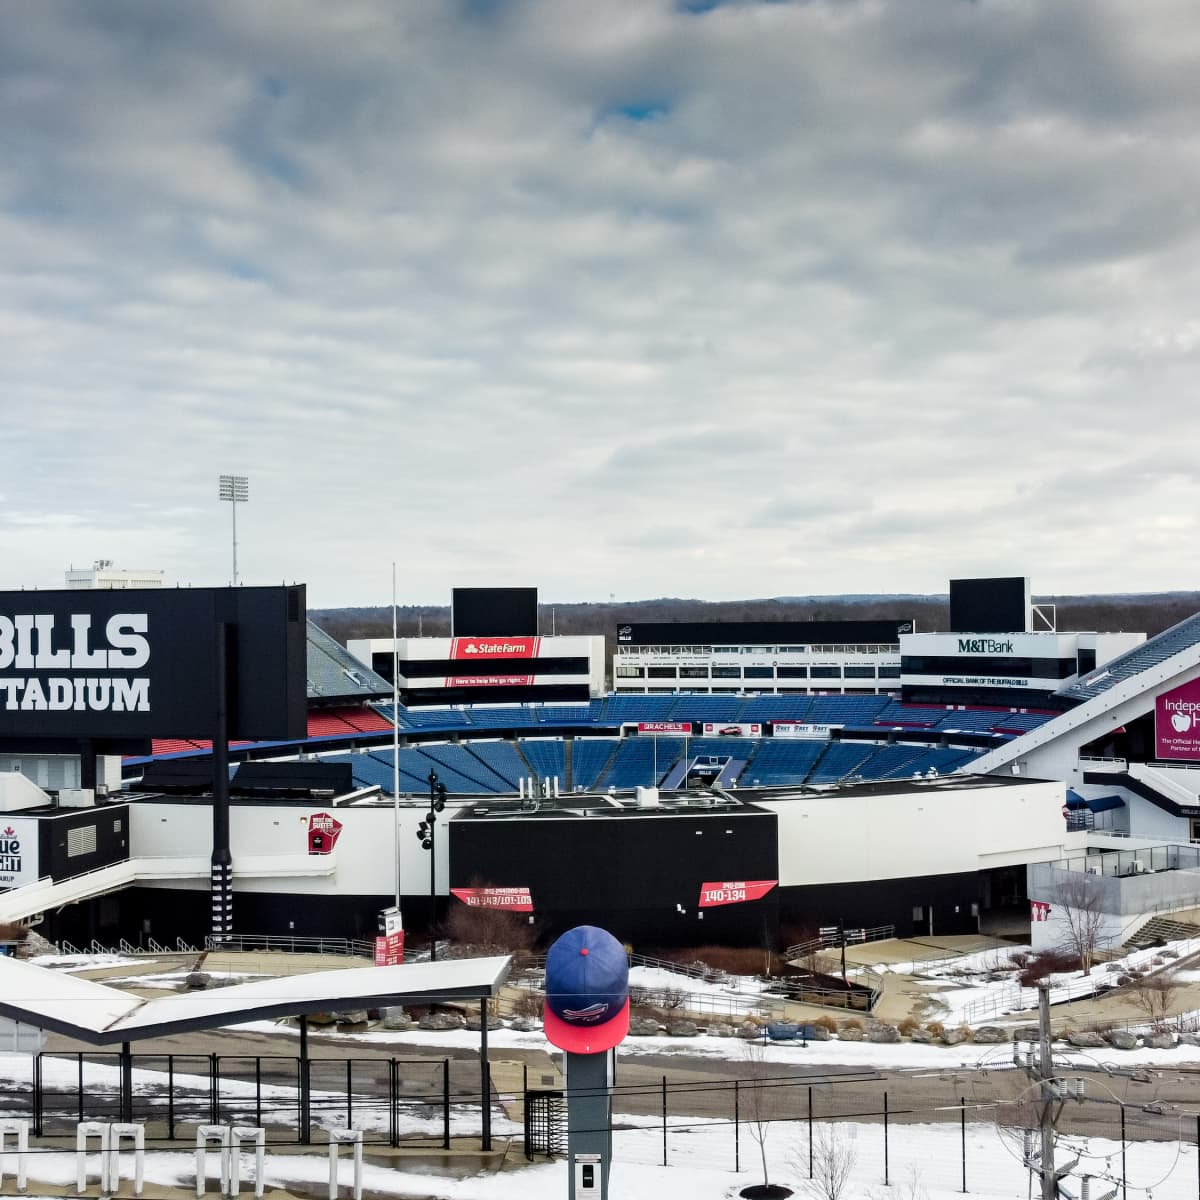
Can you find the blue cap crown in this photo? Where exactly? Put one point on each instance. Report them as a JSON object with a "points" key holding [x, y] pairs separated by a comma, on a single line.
{"points": [[587, 977]]}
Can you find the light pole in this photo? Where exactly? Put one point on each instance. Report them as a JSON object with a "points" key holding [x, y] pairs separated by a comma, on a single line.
{"points": [[235, 489], [426, 834]]}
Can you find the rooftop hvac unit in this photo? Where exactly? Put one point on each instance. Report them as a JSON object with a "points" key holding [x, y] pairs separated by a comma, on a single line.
{"points": [[1139, 867]]}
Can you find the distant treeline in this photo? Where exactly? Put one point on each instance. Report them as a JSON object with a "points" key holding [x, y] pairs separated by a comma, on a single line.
{"points": [[1148, 613]]}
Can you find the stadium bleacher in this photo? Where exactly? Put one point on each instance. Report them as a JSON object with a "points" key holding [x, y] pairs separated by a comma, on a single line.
{"points": [[637, 708], [840, 760], [547, 758], [515, 716], [706, 708], [501, 757], [642, 762], [775, 708], [589, 756], [782, 761], [911, 716], [566, 714], [1133, 662], [846, 710]]}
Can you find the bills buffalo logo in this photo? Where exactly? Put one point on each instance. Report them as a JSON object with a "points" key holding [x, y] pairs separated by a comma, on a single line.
{"points": [[593, 1012]]}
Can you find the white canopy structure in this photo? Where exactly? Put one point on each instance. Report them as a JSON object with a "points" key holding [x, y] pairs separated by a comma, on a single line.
{"points": [[100, 1015]]}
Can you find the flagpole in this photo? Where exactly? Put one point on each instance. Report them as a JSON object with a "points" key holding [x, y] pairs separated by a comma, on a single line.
{"points": [[395, 737]]}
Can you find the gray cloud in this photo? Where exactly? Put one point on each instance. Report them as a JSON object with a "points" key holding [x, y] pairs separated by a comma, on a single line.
{"points": [[880, 293]]}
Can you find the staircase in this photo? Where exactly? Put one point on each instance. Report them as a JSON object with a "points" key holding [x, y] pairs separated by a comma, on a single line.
{"points": [[1161, 929]]}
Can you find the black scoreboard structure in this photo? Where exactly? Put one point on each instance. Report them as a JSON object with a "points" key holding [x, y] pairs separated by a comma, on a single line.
{"points": [[668, 875], [494, 612], [999, 605], [104, 672]]}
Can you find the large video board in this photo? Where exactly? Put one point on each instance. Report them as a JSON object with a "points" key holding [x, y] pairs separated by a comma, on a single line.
{"points": [[142, 662]]}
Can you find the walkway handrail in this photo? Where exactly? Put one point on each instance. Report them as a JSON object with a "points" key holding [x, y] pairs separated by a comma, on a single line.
{"points": [[827, 940], [292, 945]]}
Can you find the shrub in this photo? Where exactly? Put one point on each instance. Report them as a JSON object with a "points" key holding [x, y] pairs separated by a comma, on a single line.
{"points": [[852, 1023], [967, 1032], [488, 930], [733, 960], [936, 1028], [1049, 962], [826, 1022], [906, 1026], [527, 1004]]}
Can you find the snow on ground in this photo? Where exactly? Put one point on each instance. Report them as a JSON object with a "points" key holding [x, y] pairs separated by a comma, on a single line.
{"points": [[922, 1161], [85, 962], [881, 1056], [661, 979]]}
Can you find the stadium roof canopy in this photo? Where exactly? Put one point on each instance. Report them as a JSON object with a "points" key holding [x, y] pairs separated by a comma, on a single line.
{"points": [[101, 1015], [335, 674]]}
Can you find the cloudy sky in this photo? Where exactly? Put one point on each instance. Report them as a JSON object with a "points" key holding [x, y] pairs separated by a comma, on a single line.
{"points": [[632, 297]]}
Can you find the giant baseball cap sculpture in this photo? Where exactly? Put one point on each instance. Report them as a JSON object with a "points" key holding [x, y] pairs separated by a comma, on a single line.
{"points": [[587, 991]]}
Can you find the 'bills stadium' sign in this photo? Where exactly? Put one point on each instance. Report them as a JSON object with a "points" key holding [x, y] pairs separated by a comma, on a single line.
{"points": [[120, 664]]}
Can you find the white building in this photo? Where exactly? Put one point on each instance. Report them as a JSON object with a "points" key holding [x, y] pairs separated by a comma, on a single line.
{"points": [[102, 574]]}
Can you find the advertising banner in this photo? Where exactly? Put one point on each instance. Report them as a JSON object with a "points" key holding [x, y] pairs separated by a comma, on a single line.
{"points": [[683, 728], [323, 833], [514, 899], [489, 681], [494, 647], [389, 949], [797, 729], [713, 895], [731, 729], [18, 851], [1177, 722]]}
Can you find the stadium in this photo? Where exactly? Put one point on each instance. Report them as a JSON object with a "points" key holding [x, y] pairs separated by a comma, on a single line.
{"points": [[874, 777]]}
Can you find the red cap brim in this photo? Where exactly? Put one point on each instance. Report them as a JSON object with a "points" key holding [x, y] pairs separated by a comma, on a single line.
{"points": [[586, 1039]]}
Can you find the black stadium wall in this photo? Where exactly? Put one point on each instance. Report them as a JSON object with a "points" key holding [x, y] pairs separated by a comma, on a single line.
{"points": [[638, 873]]}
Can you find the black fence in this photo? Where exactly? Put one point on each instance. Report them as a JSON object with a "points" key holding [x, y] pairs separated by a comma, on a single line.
{"points": [[417, 1101]]}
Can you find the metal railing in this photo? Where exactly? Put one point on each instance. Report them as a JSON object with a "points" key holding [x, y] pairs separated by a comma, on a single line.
{"points": [[347, 947], [1018, 999], [827, 939]]}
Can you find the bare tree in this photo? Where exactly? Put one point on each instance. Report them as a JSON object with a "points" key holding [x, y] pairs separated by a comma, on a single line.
{"points": [[833, 1159], [1079, 899], [761, 1100], [1155, 994]]}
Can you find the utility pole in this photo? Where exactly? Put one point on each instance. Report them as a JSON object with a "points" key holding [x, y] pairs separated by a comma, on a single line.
{"points": [[235, 489], [1045, 1079], [427, 836], [1052, 1095]]}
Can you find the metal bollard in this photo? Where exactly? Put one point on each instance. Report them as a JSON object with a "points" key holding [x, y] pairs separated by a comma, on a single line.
{"points": [[242, 1133], [20, 1131], [138, 1135], [212, 1133], [353, 1137], [83, 1131]]}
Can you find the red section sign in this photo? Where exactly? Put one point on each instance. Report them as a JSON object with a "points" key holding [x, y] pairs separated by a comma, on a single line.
{"points": [[389, 949], [323, 832], [664, 727], [712, 895], [495, 647], [489, 681], [515, 899], [1177, 722]]}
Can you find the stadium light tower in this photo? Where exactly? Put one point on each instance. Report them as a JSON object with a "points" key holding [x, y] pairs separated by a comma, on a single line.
{"points": [[235, 489]]}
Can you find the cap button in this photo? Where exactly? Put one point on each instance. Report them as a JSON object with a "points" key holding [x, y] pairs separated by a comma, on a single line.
{"points": [[583, 950]]}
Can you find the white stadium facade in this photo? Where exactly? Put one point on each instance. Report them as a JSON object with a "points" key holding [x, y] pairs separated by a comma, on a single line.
{"points": [[966, 791]]}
